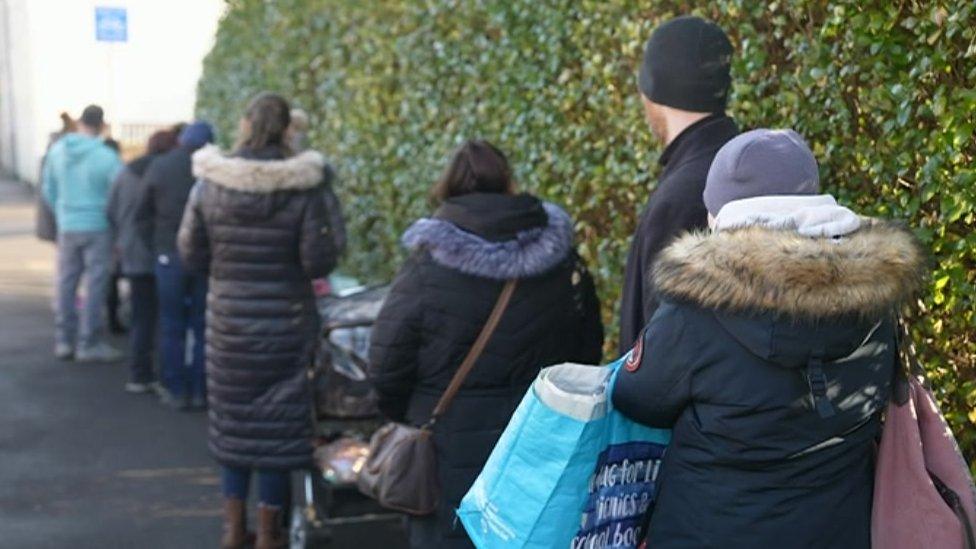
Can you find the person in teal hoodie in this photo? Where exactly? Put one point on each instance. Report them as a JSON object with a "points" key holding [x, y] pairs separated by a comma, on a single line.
{"points": [[77, 176]]}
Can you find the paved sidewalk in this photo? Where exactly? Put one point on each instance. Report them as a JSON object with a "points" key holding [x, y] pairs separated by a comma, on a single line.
{"points": [[83, 464]]}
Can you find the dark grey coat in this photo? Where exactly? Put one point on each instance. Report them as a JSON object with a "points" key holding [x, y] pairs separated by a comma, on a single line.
{"points": [[731, 359], [259, 226], [131, 228]]}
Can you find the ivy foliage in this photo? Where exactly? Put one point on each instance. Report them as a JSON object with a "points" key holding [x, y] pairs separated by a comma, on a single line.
{"points": [[885, 92]]}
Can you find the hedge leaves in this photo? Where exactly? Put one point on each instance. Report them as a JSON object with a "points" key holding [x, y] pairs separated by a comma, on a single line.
{"points": [[884, 91]]}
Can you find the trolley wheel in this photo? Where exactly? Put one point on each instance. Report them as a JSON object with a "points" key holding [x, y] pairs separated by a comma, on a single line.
{"points": [[305, 535]]}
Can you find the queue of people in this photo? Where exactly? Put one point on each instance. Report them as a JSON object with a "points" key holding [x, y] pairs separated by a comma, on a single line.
{"points": [[190, 225], [757, 311], [758, 314], [132, 213]]}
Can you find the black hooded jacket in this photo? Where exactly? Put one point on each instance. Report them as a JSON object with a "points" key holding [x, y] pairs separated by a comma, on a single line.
{"points": [[167, 183], [436, 308], [752, 323], [675, 207], [258, 224]]}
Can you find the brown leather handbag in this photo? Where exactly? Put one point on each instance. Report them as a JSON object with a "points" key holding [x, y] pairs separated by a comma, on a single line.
{"points": [[401, 471]]}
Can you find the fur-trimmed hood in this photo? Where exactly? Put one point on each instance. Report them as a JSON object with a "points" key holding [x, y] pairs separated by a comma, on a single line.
{"points": [[868, 273], [302, 171], [531, 253]]}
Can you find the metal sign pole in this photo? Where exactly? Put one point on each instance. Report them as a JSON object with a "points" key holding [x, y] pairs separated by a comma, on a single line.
{"points": [[112, 104], [112, 27]]}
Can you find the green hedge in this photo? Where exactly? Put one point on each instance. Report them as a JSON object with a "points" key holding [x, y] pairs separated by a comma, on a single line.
{"points": [[884, 91]]}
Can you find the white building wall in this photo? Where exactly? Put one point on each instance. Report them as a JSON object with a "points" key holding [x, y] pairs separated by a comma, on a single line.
{"points": [[50, 62]]}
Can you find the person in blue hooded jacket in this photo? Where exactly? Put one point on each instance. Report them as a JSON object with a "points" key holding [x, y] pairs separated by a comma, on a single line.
{"points": [[77, 176]]}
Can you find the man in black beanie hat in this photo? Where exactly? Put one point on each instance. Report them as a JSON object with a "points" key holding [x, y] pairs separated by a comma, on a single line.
{"points": [[684, 83]]}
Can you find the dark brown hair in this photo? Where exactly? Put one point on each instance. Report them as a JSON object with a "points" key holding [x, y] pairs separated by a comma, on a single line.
{"points": [[161, 141], [68, 124], [268, 116], [476, 167]]}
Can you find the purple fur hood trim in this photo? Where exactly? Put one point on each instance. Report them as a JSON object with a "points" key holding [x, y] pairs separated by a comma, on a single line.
{"points": [[531, 253]]}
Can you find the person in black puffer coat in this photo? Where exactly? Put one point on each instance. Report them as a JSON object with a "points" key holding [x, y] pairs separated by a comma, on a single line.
{"points": [[481, 235], [771, 356], [257, 222]]}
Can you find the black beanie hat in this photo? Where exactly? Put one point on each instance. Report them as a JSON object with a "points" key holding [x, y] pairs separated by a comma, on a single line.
{"points": [[93, 116], [686, 65]]}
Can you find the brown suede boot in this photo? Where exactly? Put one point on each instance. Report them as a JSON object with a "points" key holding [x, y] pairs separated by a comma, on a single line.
{"points": [[271, 531], [236, 535]]}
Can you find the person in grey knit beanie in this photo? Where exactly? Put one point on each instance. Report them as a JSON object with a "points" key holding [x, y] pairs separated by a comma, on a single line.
{"points": [[771, 178], [770, 357], [761, 162]]}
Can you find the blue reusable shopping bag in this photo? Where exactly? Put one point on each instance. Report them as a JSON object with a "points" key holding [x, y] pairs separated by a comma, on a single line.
{"points": [[568, 472]]}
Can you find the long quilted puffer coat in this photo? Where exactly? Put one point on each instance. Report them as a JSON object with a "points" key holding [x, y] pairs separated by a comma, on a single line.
{"points": [[258, 223]]}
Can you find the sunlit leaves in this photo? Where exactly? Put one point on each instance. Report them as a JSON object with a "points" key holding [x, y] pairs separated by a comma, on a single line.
{"points": [[884, 91]]}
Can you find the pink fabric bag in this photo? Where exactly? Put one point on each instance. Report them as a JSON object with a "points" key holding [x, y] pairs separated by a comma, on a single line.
{"points": [[923, 491]]}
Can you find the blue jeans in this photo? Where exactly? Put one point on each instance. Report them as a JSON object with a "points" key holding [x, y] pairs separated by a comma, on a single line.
{"points": [[182, 306], [274, 486]]}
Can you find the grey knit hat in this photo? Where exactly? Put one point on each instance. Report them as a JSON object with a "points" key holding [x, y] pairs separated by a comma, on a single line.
{"points": [[761, 163]]}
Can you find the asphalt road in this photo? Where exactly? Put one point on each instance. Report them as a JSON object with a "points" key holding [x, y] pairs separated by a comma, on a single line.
{"points": [[83, 464]]}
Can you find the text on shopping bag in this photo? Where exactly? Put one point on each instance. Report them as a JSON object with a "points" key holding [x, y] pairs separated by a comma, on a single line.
{"points": [[621, 491]]}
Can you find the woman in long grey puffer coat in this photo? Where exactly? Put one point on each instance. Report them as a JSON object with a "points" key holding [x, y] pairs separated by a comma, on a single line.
{"points": [[257, 221]]}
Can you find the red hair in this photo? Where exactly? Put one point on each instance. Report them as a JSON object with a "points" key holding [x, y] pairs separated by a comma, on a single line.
{"points": [[161, 141]]}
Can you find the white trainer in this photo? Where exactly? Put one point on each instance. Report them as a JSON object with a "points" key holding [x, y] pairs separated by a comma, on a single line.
{"points": [[101, 352], [64, 351], [137, 388]]}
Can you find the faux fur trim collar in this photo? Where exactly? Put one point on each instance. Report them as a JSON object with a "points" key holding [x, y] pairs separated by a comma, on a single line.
{"points": [[875, 270], [303, 171], [532, 253]]}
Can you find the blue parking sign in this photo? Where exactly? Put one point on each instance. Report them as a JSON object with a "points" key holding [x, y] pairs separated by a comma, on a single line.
{"points": [[111, 25]]}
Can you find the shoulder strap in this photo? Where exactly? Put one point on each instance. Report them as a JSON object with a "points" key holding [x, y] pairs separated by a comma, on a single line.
{"points": [[475, 353]]}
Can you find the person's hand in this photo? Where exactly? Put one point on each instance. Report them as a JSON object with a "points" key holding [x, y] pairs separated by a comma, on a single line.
{"points": [[321, 287]]}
